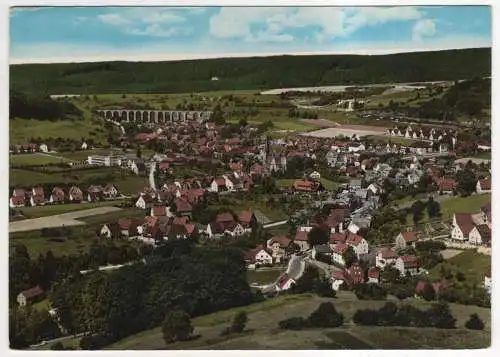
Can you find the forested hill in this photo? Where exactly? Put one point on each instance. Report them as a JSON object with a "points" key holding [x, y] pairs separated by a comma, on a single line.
{"points": [[249, 73]]}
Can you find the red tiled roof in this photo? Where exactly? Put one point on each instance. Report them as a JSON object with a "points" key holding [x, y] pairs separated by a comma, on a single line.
{"points": [[32, 292], [409, 261], [301, 185], [484, 232], [464, 222], [283, 241], [159, 211], [180, 220], [301, 236], [19, 192], [354, 239], [245, 217], [337, 238], [220, 181], [340, 248], [387, 253], [183, 206], [373, 273], [409, 236], [17, 200], [38, 191], [485, 184], [224, 217]]}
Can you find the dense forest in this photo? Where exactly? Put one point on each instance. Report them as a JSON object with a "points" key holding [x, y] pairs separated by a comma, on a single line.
{"points": [[249, 73], [198, 280], [31, 105]]}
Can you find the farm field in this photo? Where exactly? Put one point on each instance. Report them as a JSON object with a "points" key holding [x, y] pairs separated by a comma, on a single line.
{"points": [[262, 330], [264, 276], [472, 264], [347, 130], [36, 159], [49, 210]]}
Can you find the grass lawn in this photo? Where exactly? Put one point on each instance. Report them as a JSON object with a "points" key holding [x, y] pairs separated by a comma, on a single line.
{"points": [[25, 178], [21, 130], [36, 244], [471, 204], [483, 155], [264, 276], [50, 210], [35, 159], [262, 332], [238, 204], [42, 305], [73, 342], [472, 264]]}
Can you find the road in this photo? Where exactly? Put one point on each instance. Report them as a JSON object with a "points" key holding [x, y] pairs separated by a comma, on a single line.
{"points": [[60, 339], [275, 224], [58, 220]]}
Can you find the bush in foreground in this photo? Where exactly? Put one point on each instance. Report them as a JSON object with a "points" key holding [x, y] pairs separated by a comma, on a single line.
{"points": [[325, 316], [293, 323], [176, 326], [474, 323]]}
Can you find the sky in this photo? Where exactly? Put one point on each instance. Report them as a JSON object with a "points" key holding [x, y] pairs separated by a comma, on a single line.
{"points": [[80, 34]]}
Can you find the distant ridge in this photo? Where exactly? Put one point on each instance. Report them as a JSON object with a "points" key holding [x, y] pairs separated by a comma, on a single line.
{"points": [[249, 72]]}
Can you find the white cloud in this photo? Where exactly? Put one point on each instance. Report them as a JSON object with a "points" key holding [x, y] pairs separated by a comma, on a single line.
{"points": [[146, 21], [328, 22], [423, 28]]}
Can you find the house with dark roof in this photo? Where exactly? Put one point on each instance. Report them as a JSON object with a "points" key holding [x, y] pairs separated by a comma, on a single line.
{"points": [[480, 235], [278, 246], [407, 265], [301, 239], [259, 256], [247, 219], [385, 257], [462, 226], [406, 239], [30, 296]]}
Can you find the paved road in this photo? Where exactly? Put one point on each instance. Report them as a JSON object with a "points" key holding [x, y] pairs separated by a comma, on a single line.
{"points": [[59, 220], [275, 224]]}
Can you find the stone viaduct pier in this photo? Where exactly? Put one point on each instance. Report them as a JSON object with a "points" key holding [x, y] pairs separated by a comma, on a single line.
{"points": [[153, 116]]}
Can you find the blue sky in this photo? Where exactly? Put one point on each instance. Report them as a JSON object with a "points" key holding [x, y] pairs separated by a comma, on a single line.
{"points": [[61, 34]]}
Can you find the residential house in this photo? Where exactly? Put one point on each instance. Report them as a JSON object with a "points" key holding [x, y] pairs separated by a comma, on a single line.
{"points": [[486, 212], [18, 198], [338, 254], [145, 201], [447, 185], [43, 148], [480, 235], [358, 243], [75, 194], [336, 238], [373, 275], [278, 246], [322, 249], [385, 257], [221, 184], [57, 195], [315, 175], [110, 191], [94, 193], [483, 186], [224, 225], [406, 239], [462, 226], [183, 207], [37, 197], [407, 265], [106, 231], [301, 240], [305, 186], [356, 273], [130, 227], [247, 219], [30, 296], [259, 256], [158, 211]]}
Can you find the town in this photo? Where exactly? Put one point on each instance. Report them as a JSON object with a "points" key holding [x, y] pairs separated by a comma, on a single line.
{"points": [[155, 219]]}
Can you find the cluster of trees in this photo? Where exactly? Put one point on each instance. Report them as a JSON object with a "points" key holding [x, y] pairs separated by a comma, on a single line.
{"points": [[370, 292], [177, 276], [26, 272], [438, 315], [306, 114], [386, 224], [325, 316], [36, 106], [251, 73], [418, 208], [311, 282]]}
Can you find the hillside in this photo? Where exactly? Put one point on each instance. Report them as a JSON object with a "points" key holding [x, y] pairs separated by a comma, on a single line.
{"points": [[249, 73]]}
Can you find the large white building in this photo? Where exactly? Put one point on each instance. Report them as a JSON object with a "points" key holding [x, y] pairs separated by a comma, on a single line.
{"points": [[109, 160]]}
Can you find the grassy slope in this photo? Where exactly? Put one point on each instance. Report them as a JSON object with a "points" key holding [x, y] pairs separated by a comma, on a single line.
{"points": [[35, 159], [473, 265], [263, 332], [50, 210]]}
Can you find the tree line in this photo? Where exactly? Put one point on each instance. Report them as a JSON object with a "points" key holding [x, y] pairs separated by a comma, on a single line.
{"points": [[40, 107]]}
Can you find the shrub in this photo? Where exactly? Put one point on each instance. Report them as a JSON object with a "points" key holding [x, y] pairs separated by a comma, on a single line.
{"points": [[474, 323], [370, 291], [293, 323], [239, 322], [367, 317], [176, 326]]}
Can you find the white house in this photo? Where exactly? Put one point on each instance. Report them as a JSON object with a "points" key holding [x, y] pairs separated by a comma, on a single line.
{"points": [[385, 257], [338, 254], [277, 245], [43, 148], [358, 243], [407, 264], [221, 183], [259, 256], [84, 146], [315, 175], [462, 226], [406, 239], [480, 234], [141, 202], [106, 231], [483, 186]]}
